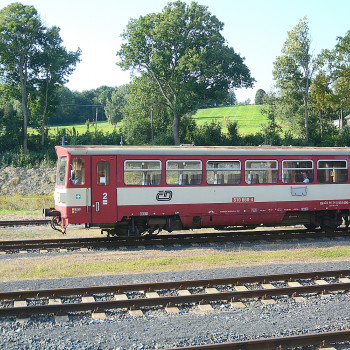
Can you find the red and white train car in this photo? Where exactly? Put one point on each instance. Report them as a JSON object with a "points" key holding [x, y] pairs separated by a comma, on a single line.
{"points": [[129, 190]]}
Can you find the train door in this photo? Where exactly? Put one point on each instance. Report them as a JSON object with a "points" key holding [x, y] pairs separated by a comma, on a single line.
{"points": [[103, 189]]}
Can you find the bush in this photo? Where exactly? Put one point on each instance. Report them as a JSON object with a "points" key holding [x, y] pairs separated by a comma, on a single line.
{"points": [[234, 139], [253, 140], [163, 140], [209, 135], [35, 159]]}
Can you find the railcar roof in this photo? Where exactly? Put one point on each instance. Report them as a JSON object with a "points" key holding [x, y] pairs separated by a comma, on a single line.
{"points": [[203, 150]]}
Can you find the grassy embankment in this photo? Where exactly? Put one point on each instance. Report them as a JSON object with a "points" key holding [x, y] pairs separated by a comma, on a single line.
{"points": [[249, 118], [95, 264]]}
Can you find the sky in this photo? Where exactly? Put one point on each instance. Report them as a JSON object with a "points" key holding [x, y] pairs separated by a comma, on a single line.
{"points": [[256, 29]]}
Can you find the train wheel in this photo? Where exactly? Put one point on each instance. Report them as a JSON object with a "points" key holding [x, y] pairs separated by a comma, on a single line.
{"points": [[328, 223], [137, 226], [310, 227], [328, 229]]}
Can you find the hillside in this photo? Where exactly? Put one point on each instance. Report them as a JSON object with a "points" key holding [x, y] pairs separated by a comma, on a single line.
{"points": [[249, 118]]}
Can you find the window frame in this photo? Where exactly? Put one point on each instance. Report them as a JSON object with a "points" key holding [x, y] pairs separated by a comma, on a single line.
{"points": [[298, 169], [223, 169], [58, 168], [184, 169], [332, 160], [333, 168], [107, 177], [246, 169], [74, 170], [143, 170]]}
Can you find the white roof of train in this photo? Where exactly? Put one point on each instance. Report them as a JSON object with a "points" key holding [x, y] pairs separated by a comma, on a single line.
{"points": [[204, 150]]}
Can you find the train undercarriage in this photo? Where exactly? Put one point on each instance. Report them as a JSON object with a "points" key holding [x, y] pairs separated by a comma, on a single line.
{"points": [[327, 221]]}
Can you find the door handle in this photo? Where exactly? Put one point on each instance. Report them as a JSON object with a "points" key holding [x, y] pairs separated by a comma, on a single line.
{"points": [[97, 206]]}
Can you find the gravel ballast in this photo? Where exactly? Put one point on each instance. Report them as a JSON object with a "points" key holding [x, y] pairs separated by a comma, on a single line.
{"points": [[155, 329]]}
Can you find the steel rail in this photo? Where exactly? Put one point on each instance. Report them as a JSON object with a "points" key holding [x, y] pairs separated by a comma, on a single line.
{"points": [[24, 222], [201, 298], [150, 240], [149, 287], [320, 339], [99, 306]]}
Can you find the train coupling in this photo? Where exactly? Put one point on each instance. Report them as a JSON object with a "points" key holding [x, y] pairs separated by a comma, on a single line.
{"points": [[51, 212], [56, 223], [62, 230]]}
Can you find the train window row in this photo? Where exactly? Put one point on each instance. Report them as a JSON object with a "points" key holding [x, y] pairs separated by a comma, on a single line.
{"points": [[226, 172], [218, 172]]}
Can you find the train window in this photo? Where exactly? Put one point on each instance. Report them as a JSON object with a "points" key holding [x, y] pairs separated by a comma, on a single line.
{"points": [[61, 171], [331, 171], [184, 172], [223, 172], [103, 173], [143, 173], [261, 171], [78, 171], [294, 171]]}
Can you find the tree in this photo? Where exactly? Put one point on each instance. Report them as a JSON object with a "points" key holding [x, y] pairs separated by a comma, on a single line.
{"points": [[259, 97], [321, 97], [115, 103], [145, 116], [77, 107], [9, 124], [183, 51], [293, 70], [272, 130], [21, 33], [231, 99], [337, 62], [54, 64], [63, 114], [32, 57]]}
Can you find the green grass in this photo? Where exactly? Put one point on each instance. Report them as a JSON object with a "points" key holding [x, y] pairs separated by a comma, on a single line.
{"points": [[249, 118], [99, 264], [20, 204], [81, 128], [105, 126]]}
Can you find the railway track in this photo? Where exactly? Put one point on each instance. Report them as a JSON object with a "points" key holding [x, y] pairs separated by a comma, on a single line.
{"points": [[159, 240], [318, 339], [170, 295], [6, 223]]}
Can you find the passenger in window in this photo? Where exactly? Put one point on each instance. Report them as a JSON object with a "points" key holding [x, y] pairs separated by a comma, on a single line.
{"points": [[305, 177], [77, 178], [78, 171]]}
